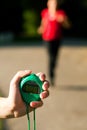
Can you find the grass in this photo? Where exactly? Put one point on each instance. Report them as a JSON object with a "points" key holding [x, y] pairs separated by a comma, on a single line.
{"points": [[1, 121], [1, 124]]}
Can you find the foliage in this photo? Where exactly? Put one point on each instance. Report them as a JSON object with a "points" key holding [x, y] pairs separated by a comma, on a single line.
{"points": [[84, 3], [30, 19]]}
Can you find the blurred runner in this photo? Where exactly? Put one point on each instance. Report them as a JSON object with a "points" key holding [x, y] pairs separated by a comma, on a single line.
{"points": [[52, 21]]}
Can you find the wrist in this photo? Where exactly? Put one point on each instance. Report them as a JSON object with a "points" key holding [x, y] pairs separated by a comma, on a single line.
{"points": [[6, 108]]}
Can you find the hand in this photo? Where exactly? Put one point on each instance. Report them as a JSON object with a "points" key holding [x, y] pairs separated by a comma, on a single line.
{"points": [[60, 18], [16, 103], [40, 30]]}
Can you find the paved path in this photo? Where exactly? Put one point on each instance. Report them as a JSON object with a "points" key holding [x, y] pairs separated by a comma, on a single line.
{"points": [[66, 107]]}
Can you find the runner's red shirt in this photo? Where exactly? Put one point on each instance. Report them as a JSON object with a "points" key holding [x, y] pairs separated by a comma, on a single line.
{"points": [[52, 28]]}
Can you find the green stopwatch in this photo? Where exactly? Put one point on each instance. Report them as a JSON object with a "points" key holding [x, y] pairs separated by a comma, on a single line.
{"points": [[30, 88]]}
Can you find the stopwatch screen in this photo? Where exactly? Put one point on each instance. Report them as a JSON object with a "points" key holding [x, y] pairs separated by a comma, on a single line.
{"points": [[31, 87]]}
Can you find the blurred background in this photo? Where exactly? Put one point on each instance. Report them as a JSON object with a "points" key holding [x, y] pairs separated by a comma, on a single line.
{"points": [[19, 20], [21, 48]]}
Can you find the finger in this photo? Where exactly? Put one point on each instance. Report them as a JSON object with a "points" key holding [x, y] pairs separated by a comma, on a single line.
{"points": [[45, 85], [44, 94], [41, 75], [36, 104], [19, 75]]}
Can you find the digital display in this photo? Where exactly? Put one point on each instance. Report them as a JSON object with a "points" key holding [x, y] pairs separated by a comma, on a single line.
{"points": [[31, 87]]}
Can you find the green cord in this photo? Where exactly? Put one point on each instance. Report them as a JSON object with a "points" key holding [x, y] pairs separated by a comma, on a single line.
{"points": [[34, 119], [28, 117]]}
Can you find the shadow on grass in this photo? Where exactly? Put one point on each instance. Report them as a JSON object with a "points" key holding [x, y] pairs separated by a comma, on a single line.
{"points": [[39, 42], [5, 126]]}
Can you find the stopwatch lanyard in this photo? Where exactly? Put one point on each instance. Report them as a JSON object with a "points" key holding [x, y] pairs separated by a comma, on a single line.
{"points": [[28, 118]]}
